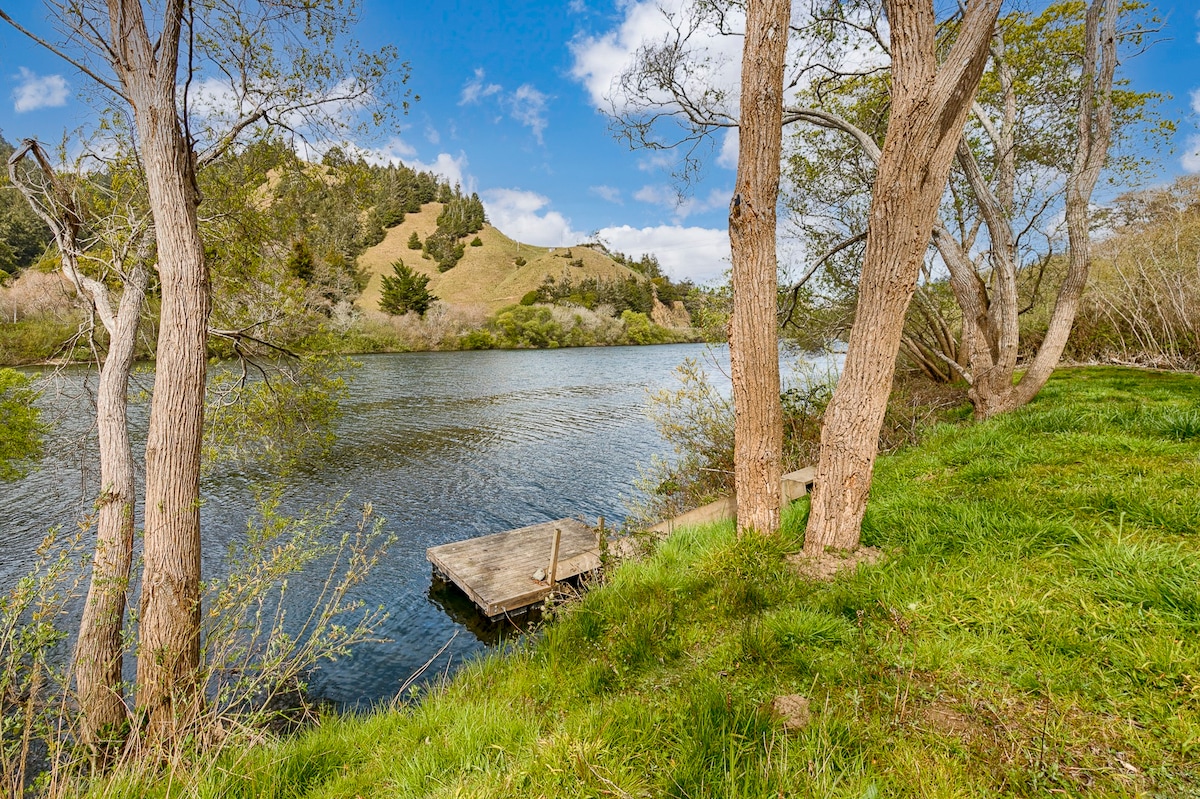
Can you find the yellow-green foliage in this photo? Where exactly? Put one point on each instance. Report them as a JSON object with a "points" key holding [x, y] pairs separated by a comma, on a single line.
{"points": [[21, 432]]}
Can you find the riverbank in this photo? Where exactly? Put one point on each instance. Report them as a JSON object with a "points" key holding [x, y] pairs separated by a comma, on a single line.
{"points": [[1031, 630]]}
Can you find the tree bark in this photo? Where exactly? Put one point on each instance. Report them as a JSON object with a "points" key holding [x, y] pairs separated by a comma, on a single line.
{"points": [[929, 109], [991, 329], [753, 334], [169, 616], [1095, 135], [99, 651]]}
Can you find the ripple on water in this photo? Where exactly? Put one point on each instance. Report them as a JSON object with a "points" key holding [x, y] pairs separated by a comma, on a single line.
{"points": [[445, 446]]}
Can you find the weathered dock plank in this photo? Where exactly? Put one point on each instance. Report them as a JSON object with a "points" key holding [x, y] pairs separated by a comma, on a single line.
{"points": [[497, 571], [795, 485]]}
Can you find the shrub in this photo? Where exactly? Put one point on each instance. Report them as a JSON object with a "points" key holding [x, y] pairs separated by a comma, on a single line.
{"points": [[640, 330], [477, 340], [414, 241], [697, 420], [476, 242], [529, 326], [520, 261], [444, 249], [529, 297], [592, 292]]}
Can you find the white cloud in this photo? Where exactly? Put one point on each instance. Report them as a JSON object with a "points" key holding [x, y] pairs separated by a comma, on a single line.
{"points": [[432, 136], [577, 6], [452, 168], [1191, 155], [600, 59], [695, 253], [1195, 95], [477, 89], [521, 215], [610, 193], [396, 151], [713, 56], [728, 157], [681, 207], [692, 253], [656, 160], [212, 99], [33, 92], [216, 104], [528, 106]]}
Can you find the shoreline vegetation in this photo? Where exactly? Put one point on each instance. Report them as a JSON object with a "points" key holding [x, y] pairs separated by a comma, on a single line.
{"points": [[1030, 630], [343, 257]]}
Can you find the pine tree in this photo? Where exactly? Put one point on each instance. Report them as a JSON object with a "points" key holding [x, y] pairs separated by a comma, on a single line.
{"points": [[404, 291], [300, 264]]}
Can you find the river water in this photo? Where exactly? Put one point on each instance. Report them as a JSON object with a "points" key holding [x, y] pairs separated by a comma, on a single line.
{"points": [[445, 446]]}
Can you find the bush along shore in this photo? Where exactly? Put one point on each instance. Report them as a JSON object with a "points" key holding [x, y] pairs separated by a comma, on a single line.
{"points": [[1031, 629]]}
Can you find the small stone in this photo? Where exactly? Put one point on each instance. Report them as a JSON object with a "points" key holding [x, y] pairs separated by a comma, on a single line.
{"points": [[793, 709], [539, 575]]}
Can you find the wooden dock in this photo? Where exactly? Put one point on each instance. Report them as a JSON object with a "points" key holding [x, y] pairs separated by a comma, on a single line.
{"points": [[499, 571], [508, 572]]}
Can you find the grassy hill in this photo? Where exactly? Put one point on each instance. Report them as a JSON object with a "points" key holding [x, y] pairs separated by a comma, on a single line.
{"points": [[487, 276]]}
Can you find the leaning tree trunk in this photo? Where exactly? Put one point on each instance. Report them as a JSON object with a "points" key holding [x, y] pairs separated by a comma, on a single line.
{"points": [[929, 109], [991, 330], [99, 653], [169, 616], [753, 334], [1094, 125], [99, 650]]}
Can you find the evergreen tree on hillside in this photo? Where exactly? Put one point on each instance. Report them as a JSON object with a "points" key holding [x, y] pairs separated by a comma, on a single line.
{"points": [[404, 291], [23, 236], [300, 264]]}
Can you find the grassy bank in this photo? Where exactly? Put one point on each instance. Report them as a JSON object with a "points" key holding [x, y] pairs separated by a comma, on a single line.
{"points": [[1033, 630]]}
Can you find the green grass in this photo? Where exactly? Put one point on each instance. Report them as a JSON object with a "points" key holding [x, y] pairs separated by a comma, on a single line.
{"points": [[1033, 631]]}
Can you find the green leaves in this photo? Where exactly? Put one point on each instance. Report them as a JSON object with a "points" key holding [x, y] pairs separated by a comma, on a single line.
{"points": [[21, 428], [405, 291]]}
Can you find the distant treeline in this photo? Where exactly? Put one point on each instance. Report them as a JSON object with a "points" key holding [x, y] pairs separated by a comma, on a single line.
{"points": [[620, 294]]}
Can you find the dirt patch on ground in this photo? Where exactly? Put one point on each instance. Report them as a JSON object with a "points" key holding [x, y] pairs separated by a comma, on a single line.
{"points": [[834, 562], [948, 721], [793, 710]]}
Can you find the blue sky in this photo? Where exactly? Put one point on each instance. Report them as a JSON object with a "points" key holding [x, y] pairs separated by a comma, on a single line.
{"points": [[509, 103]]}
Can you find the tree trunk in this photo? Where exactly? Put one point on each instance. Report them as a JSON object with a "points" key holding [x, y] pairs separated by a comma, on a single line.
{"points": [[99, 653], [991, 328], [169, 621], [1095, 134], [169, 616], [929, 109], [753, 335]]}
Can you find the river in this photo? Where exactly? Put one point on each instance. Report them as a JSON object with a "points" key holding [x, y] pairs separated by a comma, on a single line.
{"points": [[444, 445]]}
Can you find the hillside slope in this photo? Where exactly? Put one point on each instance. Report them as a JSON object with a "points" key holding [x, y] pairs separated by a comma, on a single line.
{"points": [[486, 276]]}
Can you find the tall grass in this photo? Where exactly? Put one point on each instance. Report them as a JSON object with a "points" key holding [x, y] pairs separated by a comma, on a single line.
{"points": [[1033, 631]]}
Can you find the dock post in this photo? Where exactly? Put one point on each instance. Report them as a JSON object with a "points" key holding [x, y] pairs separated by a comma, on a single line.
{"points": [[554, 555]]}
